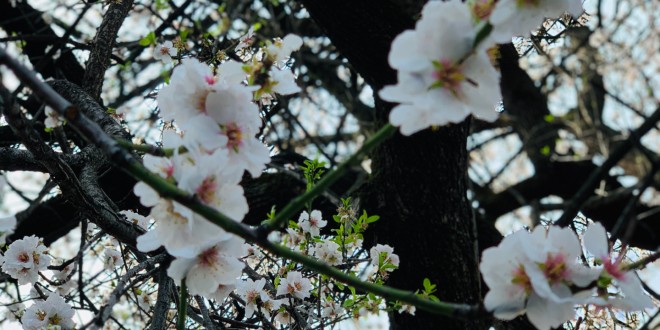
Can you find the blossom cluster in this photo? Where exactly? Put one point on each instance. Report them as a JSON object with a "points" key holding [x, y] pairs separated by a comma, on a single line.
{"points": [[52, 313], [24, 259], [218, 122], [443, 66], [541, 274]]}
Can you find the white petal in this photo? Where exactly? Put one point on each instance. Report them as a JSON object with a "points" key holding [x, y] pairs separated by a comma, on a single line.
{"points": [[595, 241]]}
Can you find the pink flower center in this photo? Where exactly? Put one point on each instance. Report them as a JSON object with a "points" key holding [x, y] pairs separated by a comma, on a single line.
{"points": [[521, 279], [210, 80], [294, 287], [555, 269], [168, 170], [206, 191], [164, 50], [234, 136], [613, 269], [23, 257], [448, 75], [251, 296], [208, 258]]}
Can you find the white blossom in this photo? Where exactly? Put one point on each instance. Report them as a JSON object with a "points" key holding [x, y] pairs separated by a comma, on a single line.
{"points": [[250, 291], [24, 259], [295, 284], [112, 259], [182, 232], [328, 252], [631, 296], [165, 51], [52, 313], [53, 119], [144, 300], [213, 266], [136, 219], [246, 40], [440, 79], [312, 223], [385, 252], [281, 49]]}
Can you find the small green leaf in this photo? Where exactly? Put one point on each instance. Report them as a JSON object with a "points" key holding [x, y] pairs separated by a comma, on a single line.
{"points": [[149, 39], [549, 118]]}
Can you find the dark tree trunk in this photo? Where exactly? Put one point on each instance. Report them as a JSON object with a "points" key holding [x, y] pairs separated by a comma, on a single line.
{"points": [[419, 188], [419, 183]]}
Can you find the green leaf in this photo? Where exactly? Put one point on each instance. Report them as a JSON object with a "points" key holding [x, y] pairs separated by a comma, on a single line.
{"points": [[149, 39], [549, 118], [373, 218], [427, 284]]}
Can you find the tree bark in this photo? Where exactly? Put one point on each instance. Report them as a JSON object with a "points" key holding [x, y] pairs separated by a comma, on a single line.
{"points": [[418, 185]]}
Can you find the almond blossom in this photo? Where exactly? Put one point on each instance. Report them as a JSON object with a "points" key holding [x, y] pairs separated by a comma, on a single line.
{"points": [[246, 40], [328, 252], [532, 273], [24, 259], [182, 232], [281, 49], [53, 119], [165, 51], [214, 266], [250, 291], [312, 223], [53, 313], [631, 296], [196, 89], [295, 285], [382, 255], [210, 183], [441, 80], [112, 259], [555, 251]]}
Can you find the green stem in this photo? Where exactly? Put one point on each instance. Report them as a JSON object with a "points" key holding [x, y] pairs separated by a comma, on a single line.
{"points": [[299, 202], [482, 33], [149, 149], [183, 306]]}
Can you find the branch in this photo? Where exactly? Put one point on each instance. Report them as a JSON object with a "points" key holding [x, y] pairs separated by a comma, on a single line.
{"points": [[99, 58], [592, 181]]}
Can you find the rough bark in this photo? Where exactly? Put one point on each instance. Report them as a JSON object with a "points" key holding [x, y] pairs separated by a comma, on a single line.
{"points": [[419, 183]]}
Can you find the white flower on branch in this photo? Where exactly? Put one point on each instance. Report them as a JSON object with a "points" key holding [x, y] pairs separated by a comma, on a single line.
{"points": [[24, 259], [53, 313], [441, 80], [630, 295], [295, 285], [312, 223], [165, 51], [213, 266]]}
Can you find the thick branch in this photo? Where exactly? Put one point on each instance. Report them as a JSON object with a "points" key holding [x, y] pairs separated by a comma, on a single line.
{"points": [[104, 42]]}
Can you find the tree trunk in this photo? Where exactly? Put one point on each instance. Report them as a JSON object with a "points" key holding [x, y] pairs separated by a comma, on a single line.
{"points": [[419, 183]]}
